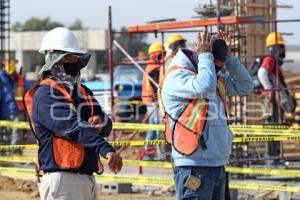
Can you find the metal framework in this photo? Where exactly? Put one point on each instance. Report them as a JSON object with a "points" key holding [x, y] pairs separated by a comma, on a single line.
{"points": [[249, 36], [4, 29]]}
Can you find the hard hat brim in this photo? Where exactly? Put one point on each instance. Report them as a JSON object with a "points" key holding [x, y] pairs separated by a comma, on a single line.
{"points": [[170, 45], [55, 57]]}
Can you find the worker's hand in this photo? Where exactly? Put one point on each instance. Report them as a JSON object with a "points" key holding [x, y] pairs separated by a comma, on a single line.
{"points": [[115, 162], [204, 43], [227, 37], [268, 94], [96, 123]]}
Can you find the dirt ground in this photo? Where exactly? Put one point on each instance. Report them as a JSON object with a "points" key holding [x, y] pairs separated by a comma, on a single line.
{"points": [[17, 189]]}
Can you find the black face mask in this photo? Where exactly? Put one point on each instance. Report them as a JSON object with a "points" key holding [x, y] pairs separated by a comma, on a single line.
{"points": [[282, 55], [72, 69]]}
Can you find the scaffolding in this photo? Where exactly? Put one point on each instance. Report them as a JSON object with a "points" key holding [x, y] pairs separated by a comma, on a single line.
{"points": [[250, 25], [4, 29]]}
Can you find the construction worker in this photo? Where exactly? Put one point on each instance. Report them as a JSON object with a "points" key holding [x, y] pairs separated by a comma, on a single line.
{"points": [[174, 43], [8, 109], [194, 91], [20, 86], [149, 90], [268, 72], [68, 123]]}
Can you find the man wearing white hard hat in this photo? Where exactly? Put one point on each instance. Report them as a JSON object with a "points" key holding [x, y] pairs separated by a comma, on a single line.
{"points": [[68, 123]]}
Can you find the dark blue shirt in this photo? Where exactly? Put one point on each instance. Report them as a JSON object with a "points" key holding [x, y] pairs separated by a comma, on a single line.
{"points": [[53, 115]]}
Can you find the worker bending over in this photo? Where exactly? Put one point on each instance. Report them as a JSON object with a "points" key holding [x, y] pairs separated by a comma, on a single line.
{"points": [[193, 94]]}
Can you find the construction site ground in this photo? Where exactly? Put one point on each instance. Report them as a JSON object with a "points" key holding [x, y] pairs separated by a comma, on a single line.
{"points": [[20, 186], [24, 187]]}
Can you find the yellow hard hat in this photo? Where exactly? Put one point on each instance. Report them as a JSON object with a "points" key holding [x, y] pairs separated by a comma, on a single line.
{"points": [[155, 47], [10, 68], [271, 39], [174, 38]]}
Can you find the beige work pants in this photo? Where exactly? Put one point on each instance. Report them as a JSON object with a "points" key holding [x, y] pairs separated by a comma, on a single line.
{"points": [[68, 186]]}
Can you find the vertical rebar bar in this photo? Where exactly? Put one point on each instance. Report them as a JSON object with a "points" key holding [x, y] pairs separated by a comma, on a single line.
{"points": [[111, 65], [218, 14]]}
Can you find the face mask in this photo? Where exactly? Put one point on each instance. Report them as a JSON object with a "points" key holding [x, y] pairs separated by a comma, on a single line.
{"points": [[282, 55], [72, 69], [58, 73]]}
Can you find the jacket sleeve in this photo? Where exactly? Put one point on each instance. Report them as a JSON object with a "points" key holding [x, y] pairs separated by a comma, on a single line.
{"points": [[59, 117], [106, 130], [239, 81], [185, 84], [263, 77]]}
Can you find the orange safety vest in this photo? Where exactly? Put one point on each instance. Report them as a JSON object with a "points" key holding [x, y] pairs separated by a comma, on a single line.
{"points": [[147, 87], [67, 153], [190, 123], [19, 92]]}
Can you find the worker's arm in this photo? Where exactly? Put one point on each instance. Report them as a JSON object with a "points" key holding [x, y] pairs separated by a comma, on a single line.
{"points": [[263, 77], [57, 116], [185, 84], [239, 81], [106, 121]]}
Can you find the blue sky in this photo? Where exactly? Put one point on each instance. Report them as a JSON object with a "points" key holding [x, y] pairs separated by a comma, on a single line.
{"points": [[93, 13]]}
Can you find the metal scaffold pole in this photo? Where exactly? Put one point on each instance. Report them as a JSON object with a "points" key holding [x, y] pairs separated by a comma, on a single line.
{"points": [[4, 29]]}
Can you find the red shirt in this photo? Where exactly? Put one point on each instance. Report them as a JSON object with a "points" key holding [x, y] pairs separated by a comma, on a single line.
{"points": [[269, 64]]}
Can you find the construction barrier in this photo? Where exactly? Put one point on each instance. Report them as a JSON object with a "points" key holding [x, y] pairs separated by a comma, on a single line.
{"points": [[236, 129], [160, 142], [162, 180], [168, 165]]}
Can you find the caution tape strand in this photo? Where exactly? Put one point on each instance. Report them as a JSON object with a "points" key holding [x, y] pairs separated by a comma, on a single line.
{"points": [[162, 180]]}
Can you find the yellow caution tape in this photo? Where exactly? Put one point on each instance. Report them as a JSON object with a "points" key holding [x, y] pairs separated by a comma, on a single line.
{"points": [[168, 165], [160, 142], [136, 102], [25, 146], [17, 159], [253, 186], [10, 124], [138, 143], [264, 171], [26, 159], [162, 180], [159, 164], [236, 129], [137, 126], [135, 179], [265, 139], [255, 131]]}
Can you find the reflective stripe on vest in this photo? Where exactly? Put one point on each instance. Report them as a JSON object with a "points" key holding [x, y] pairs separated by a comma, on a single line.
{"points": [[19, 92], [67, 154], [147, 87], [190, 123]]}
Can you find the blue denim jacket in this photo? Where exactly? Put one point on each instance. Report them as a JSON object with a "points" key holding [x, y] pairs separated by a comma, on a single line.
{"points": [[180, 86]]}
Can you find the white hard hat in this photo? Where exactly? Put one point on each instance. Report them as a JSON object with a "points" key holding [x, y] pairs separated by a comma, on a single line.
{"points": [[61, 39]]}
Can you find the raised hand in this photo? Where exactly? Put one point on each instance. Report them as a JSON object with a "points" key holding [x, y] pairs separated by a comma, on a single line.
{"points": [[204, 43], [227, 37]]}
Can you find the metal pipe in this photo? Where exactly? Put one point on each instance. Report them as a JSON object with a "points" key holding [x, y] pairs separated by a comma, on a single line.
{"points": [[135, 63], [218, 14], [111, 66], [277, 79]]}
